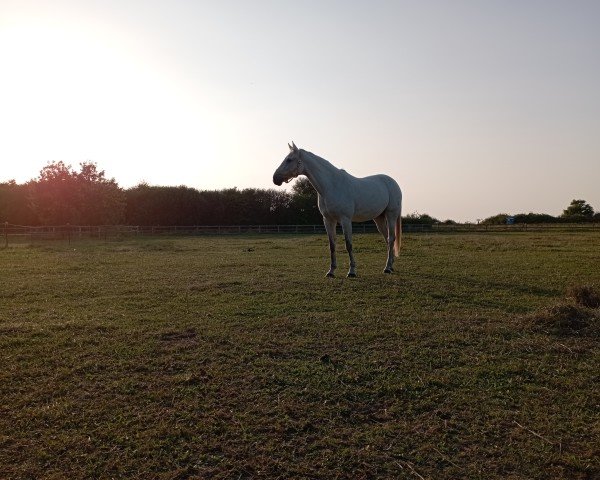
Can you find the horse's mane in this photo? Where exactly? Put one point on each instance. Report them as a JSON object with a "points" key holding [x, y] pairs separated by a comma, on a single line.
{"points": [[325, 161]]}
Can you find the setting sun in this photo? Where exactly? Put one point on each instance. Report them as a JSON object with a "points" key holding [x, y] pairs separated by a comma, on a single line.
{"points": [[79, 94]]}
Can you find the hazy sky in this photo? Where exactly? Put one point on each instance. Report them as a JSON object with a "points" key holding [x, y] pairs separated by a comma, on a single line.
{"points": [[475, 107]]}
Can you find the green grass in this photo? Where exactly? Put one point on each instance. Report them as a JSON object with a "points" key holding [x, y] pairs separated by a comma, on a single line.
{"points": [[233, 357]]}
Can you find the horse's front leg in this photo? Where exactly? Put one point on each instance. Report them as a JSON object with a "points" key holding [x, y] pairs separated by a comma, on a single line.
{"points": [[347, 228], [330, 226]]}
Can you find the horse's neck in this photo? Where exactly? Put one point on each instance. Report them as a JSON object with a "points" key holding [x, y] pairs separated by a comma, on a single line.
{"points": [[320, 172]]}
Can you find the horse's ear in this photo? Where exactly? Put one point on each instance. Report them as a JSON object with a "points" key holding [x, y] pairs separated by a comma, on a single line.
{"points": [[294, 147], [291, 148]]}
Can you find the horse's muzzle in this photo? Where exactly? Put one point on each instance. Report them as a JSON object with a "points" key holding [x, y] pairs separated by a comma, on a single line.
{"points": [[277, 180]]}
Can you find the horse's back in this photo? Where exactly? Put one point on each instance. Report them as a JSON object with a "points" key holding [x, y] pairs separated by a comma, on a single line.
{"points": [[374, 195], [386, 183], [394, 191], [390, 183]]}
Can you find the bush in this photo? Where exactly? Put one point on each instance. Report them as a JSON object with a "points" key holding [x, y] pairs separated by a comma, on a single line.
{"points": [[420, 219], [534, 218], [499, 219]]}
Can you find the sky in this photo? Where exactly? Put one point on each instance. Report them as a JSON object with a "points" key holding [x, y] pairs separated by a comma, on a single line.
{"points": [[474, 107]]}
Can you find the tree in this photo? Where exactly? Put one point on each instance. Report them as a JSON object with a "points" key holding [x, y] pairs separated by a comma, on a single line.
{"points": [[155, 205], [304, 203], [302, 186], [14, 204], [280, 202], [53, 195], [578, 208], [101, 200], [62, 195]]}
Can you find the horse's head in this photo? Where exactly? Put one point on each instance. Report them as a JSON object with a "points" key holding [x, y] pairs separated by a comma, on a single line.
{"points": [[290, 168]]}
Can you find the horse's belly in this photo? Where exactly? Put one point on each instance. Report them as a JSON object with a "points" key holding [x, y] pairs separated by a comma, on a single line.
{"points": [[370, 207], [363, 216], [360, 201]]}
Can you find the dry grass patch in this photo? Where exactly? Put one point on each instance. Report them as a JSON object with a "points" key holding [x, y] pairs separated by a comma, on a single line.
{"points": [[584, 295], [564, 319], [577, 314]]}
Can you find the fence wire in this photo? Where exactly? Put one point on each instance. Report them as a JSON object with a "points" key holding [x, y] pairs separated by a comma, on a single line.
{"points": [[25, 233]]}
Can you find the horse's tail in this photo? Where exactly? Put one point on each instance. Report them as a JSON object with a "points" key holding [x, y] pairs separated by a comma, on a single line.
{"points": [[398, 240]]}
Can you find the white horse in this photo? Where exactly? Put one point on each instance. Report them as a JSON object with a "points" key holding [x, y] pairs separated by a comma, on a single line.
{"points": [[344, 198]]}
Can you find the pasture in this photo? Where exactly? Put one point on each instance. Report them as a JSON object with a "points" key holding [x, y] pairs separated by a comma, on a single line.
{"points": [[233, 357]]}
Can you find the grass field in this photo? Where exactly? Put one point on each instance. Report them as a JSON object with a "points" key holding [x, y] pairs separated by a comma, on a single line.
{"points": [[233, 357]]}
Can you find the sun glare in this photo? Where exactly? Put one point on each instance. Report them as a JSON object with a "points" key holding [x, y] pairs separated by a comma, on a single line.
{"points": [[78, 95]]}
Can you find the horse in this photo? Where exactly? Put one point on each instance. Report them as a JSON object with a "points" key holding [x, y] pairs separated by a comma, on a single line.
{"points": [[343, 198]]}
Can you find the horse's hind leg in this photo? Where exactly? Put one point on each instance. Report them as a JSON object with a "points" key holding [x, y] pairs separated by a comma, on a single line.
{"points": [[330, 228], [347, 228], [391, 238], [381, 226]]}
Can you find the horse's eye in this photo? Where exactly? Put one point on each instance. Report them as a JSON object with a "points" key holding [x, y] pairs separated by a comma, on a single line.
{"points": [[288, 160]]}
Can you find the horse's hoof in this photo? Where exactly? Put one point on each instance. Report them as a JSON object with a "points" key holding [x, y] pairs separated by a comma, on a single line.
{"points": [[330, 275], [352, 275], [388, 270]]}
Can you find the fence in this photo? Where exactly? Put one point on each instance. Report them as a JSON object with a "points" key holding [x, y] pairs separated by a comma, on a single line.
{"points": [[29, 234]]}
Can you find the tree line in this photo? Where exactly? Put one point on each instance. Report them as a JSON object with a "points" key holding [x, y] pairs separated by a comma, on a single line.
{"points": [[62, 195], [578, 211]]}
